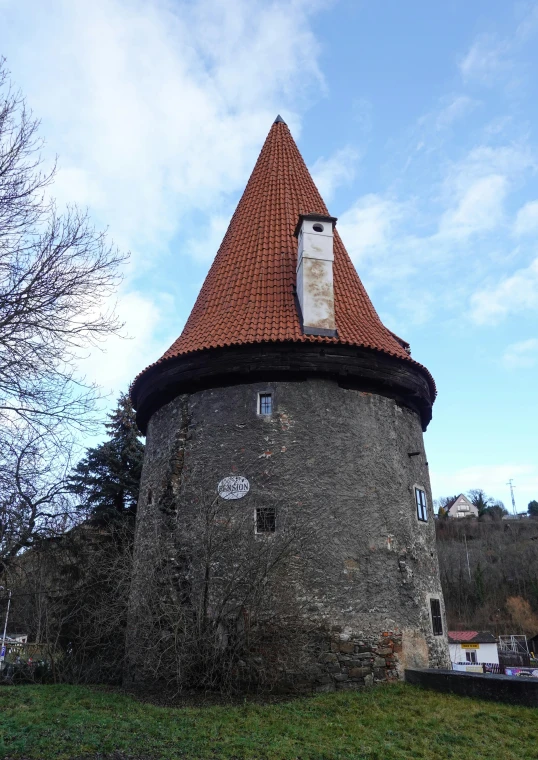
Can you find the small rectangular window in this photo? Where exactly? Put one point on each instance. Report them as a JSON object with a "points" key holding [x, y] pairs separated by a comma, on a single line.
{"points": [[437, 620], [265, 403], [265, 520], [470, 657], [422, 507]]}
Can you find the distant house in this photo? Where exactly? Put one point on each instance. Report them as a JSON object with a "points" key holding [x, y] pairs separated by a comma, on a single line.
{"points": [[462, 507], [18, 638], [472, 647]]}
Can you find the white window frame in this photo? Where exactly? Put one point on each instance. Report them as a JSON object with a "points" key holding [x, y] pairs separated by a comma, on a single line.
{"points": [[470, 657], [421, 509], [259, 403]]}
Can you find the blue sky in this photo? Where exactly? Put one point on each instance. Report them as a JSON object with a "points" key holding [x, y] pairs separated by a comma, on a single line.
{"points": [[419, 123]]}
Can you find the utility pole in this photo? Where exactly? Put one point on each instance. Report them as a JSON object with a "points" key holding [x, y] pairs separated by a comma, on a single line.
{"points": [[3, 650], [510, 483]]}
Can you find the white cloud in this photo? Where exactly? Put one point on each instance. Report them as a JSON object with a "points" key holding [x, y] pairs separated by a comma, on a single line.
{"points": [[456, 107], [158, 111], [492, 59], [513, 294], [484, 160], [480, 209], [486, 60], [117, 360], [368, 224], [330, 173], [362, 110], [527, 219], [522, 354], [159, 108], [475, 188], [204, 247]]}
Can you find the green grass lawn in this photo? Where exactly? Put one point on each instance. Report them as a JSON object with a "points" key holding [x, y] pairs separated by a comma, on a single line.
{"points": [[386, 723]]}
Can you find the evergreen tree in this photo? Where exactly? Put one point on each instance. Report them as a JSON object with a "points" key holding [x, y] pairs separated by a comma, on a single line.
{"points": [[107, 479]]}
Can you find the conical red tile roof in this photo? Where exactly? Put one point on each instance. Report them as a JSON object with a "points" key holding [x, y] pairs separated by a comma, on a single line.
{"points": [[248, 295]]}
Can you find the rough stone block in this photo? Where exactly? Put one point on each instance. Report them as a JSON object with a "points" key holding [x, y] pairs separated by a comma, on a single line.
{"points": [[328, 657], [348, 686], [340, 677], [379, 662], [347, 646], [359, 672], [383, 651], [369, 680], [324, 687]]}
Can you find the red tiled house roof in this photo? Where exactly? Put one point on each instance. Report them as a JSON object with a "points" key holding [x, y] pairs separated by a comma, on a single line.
{"points": [[248, 296], [474, 637]]}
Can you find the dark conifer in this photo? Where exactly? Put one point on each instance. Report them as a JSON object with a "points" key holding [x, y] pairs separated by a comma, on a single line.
{"points": [[107, 479]]}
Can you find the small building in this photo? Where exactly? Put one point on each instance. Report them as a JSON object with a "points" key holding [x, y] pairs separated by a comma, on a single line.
{"points": [[472, 648], [462, 507], [17, 638]]}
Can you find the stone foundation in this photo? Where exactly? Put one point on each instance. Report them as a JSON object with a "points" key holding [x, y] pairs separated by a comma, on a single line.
{"points": [[352, 662]]}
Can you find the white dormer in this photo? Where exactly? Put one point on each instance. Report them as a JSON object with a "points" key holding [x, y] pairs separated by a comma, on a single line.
{"points": [[315, 256]]}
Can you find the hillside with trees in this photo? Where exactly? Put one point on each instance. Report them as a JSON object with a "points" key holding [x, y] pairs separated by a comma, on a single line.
{"points": [[489, 573]]}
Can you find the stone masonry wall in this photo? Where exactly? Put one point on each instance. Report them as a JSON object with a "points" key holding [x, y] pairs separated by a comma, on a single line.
{"points": [[342, 461]]}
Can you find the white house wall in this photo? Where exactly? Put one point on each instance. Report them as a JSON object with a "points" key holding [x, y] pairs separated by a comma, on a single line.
{"points": [[484, 653]]}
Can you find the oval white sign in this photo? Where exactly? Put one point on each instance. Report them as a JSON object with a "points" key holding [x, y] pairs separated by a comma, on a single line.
{"points": [[233, 487]]}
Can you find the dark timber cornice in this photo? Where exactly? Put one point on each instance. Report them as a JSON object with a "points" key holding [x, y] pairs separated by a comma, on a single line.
{"points": [[360, 368]]}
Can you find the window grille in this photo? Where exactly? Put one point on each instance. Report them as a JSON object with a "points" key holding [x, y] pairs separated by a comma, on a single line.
{"points": [[437, 620], [265, 520], [265, 404], [422, 506]]}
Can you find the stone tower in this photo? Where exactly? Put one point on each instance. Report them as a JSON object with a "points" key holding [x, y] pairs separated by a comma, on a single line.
{"points": [[285, 512]]}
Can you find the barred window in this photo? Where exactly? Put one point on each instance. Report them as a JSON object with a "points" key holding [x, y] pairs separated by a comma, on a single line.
{"points": [[265, 520], [437, 620], [422, 506], [265, 403]]}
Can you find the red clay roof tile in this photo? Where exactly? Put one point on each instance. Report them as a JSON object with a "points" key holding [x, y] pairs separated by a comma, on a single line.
{"points": [[248, 294]]}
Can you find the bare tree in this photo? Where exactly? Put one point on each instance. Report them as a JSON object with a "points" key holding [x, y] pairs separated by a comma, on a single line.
{"points": [[56, 275], [224, 608], [34, 499], [69, 594]]}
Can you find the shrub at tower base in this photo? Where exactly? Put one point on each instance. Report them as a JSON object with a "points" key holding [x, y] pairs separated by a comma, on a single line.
{"points": [[211, 623]]}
